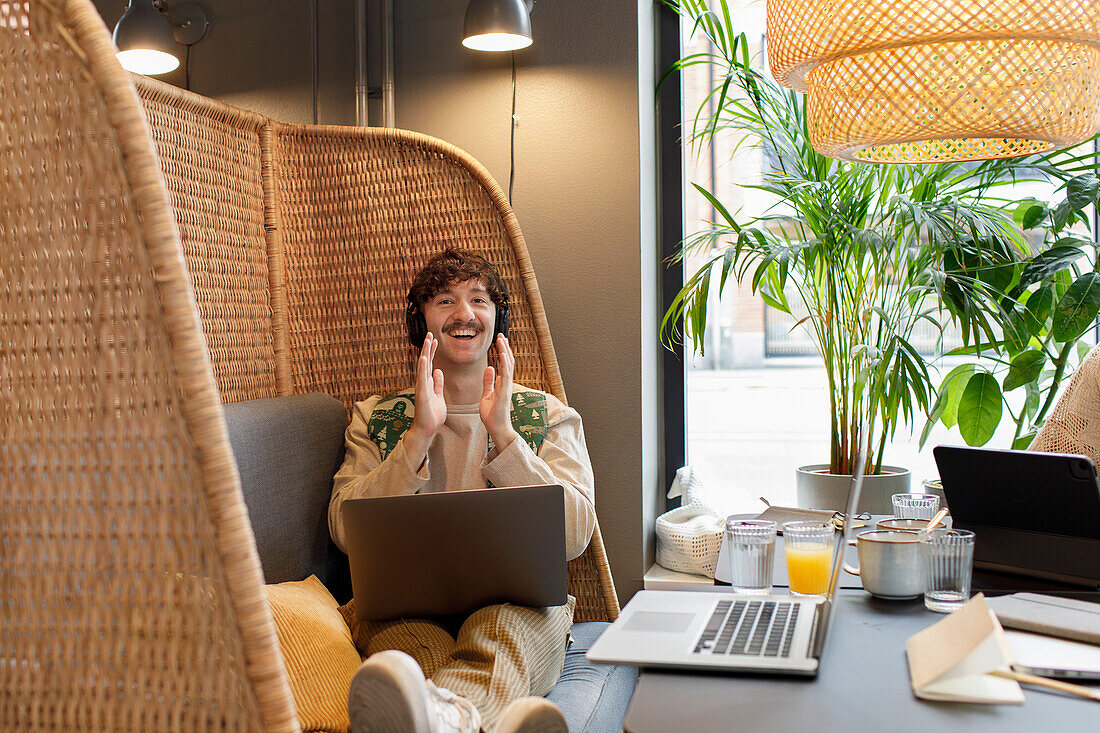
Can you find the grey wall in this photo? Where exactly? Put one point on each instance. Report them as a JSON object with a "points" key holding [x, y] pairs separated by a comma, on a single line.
{"points": [[258, 54], [585, 187], [584, 195]]}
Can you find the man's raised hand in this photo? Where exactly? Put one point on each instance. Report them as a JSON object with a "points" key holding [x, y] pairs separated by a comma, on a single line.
{"points": [[431, 409], [496, 397]]}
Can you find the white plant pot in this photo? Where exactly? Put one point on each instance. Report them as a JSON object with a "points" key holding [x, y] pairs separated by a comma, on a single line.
{"points": [[819, 489]]}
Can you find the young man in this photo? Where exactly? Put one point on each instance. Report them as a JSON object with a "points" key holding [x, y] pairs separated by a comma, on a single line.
{"points": [[470, 427]]}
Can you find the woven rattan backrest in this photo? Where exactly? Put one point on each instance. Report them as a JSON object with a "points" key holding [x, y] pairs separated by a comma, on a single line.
{"points": [[362, 209], [210, 154], [130, 593], [358, 212]]}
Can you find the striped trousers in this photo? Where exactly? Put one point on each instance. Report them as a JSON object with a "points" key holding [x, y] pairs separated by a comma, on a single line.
{"points": [[499, 654]]}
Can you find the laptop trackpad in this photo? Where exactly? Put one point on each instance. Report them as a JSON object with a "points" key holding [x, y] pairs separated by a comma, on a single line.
{"points": [[673, 623]]}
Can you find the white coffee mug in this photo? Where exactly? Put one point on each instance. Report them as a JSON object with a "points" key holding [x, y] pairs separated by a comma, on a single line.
{"points": [[889, 564]]}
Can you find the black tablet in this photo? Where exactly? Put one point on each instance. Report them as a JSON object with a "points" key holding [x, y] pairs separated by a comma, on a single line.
{"points": [[1034, 514]]}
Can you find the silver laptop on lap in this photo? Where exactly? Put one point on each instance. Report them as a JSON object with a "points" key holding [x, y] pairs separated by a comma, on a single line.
{"points": [[728, 632]]}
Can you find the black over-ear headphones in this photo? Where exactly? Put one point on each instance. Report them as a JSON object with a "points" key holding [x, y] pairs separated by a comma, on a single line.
{"points": [[418, 327]]}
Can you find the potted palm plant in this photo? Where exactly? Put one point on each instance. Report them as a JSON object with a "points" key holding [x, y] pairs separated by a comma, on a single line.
{"points": [[867, 250]]}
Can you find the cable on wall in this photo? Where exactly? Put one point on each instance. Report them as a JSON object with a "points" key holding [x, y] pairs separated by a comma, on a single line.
{"points": [[512, 141]]}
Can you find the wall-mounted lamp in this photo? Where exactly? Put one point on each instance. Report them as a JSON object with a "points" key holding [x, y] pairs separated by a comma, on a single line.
{"points": [[147, 34], [500, 25], [497, 25]]}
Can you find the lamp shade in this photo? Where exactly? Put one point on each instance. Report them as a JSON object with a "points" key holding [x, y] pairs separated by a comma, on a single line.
{"points": [[144, 39], [497, 25], [913, 81]]}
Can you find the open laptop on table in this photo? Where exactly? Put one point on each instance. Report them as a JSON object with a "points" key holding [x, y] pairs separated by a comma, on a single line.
{"points": [[728, 632], [456, 551], [1032, 513]]}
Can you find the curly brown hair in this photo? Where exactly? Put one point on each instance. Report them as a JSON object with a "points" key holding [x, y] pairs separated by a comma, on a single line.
{"points": [[456, 266]]}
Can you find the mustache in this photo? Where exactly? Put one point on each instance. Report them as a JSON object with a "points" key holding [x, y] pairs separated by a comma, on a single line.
{"points": [[462, 324]]}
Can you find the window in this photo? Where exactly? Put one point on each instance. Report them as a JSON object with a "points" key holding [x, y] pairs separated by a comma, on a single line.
{"points": [[756, 403]]}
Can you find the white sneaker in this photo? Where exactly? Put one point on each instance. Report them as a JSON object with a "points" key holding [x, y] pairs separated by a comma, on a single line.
{"points": [[532, 715], [390, 695]]}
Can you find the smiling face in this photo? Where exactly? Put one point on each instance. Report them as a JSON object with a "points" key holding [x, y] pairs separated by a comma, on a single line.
{"points": [[463, 317]]}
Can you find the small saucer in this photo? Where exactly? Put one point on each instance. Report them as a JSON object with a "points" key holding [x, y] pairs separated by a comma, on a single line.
{"points": [[895, 598]]}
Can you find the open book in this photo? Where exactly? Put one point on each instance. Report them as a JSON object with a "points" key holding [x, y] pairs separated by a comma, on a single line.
{"points": [[954, 659]]}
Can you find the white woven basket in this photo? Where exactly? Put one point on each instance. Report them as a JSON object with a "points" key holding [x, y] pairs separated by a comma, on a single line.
{"points": [[688, 539]]}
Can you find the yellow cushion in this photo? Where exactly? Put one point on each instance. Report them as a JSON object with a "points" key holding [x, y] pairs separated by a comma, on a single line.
{"points": [[317, 648]]}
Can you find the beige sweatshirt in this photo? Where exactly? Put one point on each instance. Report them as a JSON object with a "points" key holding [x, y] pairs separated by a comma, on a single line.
{"points": [[457, 460]]}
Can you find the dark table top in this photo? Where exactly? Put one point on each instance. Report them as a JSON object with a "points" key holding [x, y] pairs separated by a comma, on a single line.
{"points": [[863, 685]]}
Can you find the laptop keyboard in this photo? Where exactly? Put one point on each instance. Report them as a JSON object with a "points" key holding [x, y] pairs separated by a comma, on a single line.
{"points": [[749, 628]]}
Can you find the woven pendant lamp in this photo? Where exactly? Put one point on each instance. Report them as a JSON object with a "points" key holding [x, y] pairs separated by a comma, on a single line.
{"points": [[919, 81]]}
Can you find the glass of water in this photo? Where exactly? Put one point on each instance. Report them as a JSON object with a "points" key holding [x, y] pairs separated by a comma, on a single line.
{"points": [[948, 557], [915, 506], [751, 549]]}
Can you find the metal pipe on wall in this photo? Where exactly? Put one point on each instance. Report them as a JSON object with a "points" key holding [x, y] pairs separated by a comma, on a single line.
{"points": [[387, 64], [362, 91], [362, 87]]}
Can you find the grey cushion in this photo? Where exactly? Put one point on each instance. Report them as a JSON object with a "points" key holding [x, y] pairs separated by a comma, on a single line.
{"points": [[288, 449], [593, 697]]}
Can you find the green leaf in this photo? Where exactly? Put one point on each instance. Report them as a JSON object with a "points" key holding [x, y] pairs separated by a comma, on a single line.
{"points": [[1062, 214], [718, 206], [980, 409], [951, 391], [1017, 329], [1081, 191], [1045, 264], [1022, 442], [1039, 306], [997, 277], [1031, 402], [1032, 216], [1072, 241], [1025, 368], [727, 265], [1077, 309], [933, 417], [976, 348], [1061, 280]]}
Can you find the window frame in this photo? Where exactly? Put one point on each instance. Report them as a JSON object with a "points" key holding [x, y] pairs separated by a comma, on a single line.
{"points": [[671, 231]]}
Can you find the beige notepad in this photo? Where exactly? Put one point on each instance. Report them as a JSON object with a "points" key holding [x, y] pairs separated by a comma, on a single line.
{"points": [[953, 659]]}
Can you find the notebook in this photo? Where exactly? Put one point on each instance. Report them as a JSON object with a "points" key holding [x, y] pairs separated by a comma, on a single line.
{"points": [[457, 551], [1033, 514], [727, 632]]}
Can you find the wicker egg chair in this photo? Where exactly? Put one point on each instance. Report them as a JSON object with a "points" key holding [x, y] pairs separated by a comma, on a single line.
{"points": [[131, 592], [302, 241], [1073, 426]]}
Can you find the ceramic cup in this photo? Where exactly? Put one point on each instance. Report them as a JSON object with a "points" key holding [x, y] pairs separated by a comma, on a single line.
{"points": [[889, 564]]}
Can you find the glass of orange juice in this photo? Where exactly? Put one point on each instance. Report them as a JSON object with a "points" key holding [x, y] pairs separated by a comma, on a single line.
{"points": [[809, 549]]}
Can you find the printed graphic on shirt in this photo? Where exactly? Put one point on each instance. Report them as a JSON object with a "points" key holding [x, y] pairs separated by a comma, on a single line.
{"points": [[529, 418], [393, 416]]}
